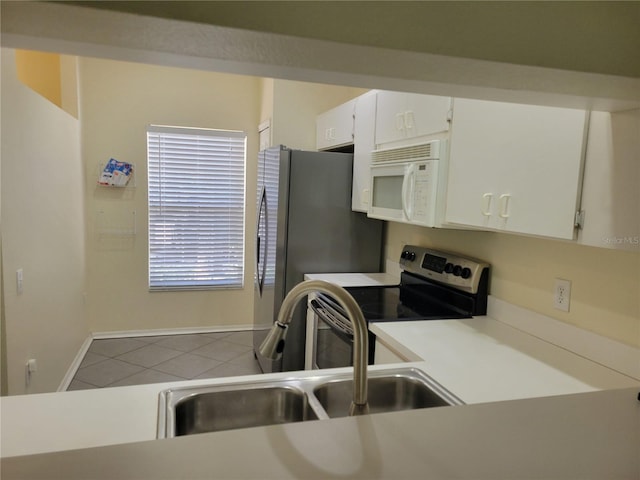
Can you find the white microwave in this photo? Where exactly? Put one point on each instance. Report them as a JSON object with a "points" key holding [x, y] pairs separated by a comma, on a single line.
{"points": [[407, 184]]}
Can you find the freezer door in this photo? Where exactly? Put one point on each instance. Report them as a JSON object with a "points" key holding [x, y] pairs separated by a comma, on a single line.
{"points": [[309, 228], [269, 162], [321, 234]]}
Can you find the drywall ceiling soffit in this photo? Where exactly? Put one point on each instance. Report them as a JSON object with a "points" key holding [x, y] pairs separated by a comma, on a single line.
{"points": [[85, 31], [596, 37]]}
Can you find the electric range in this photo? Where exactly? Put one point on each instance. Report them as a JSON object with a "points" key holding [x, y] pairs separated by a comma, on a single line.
{"points": [[434, 285]]}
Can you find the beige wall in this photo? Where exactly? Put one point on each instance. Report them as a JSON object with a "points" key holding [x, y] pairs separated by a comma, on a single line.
{"points": [[118, 101], [40, 71], [605, 289], [51, 75], [3, 332], [69, 84], [296, 106], [266, 99], [42, 234]]}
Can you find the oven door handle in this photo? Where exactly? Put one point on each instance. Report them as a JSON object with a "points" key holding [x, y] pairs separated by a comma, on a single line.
{"points": [[341, 334], [327, 315]]}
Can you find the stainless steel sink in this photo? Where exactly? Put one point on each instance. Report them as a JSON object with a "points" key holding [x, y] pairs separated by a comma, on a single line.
{"points": [[389, 393], [211, 409], [189, 410]]}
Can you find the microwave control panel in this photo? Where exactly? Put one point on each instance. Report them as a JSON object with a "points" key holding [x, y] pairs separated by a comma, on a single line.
{"points": [[423, 199]]}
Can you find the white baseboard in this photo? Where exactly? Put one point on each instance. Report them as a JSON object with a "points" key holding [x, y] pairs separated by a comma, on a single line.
{"points": [[615, 355], [169, 331], [73, 368]]}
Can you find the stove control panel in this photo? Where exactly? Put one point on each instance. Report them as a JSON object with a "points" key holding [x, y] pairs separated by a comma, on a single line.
{"points": [[448, 268]]}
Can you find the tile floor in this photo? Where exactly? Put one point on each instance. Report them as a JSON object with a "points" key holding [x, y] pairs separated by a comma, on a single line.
{"points": [[138, 360]]}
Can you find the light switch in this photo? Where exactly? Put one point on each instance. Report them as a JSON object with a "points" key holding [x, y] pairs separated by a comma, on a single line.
{"points": [[30, 368], [32, 365], [19, 279]]}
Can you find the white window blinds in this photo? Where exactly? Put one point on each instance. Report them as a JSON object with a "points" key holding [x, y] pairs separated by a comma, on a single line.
{"points": [[196, 208]]}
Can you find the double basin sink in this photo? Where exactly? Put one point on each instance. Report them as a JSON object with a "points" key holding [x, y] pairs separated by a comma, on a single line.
{"points": [[189, 410]]}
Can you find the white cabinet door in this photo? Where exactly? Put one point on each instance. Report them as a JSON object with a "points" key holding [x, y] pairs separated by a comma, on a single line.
{"points": [[390, 110], [334, 128], [611, 193], [515, 167], [427, 114], [363, 145], [402, 116]]}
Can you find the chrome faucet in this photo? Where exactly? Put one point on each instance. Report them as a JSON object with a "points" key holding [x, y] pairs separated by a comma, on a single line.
{"points": [[273, 345]]}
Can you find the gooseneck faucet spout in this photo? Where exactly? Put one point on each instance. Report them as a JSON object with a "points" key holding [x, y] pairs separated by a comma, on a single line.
{"points": [[273, 345]]}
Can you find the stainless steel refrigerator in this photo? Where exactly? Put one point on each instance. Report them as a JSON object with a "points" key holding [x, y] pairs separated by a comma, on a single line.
{"points": [[305, 225]]}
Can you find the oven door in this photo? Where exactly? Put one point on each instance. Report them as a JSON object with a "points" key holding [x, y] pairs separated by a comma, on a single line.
{"points": [[333, 346]]}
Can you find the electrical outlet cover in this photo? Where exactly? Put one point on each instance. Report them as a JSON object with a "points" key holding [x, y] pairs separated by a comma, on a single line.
{"points": [[562, 294]]}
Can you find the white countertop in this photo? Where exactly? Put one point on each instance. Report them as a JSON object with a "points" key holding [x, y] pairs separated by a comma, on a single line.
{"points": [[488, 363], [483, 360], [586, 436], [479, 360], [355, 279]]}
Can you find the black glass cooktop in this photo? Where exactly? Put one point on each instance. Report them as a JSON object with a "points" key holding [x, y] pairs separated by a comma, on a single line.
{"points": [[387, 304]]}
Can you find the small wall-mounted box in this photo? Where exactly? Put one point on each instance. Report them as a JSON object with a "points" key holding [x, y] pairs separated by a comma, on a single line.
{"points": [[115, 173]]}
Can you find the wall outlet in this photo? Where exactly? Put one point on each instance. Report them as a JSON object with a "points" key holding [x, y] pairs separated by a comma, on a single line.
{"points": [[562, 294]]}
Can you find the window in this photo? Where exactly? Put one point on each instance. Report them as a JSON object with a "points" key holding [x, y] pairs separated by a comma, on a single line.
{"points": [[196, 208]]}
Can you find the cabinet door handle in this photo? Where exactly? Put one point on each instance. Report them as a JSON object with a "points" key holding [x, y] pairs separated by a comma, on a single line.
{"points": [[330, 134], [486, 204], [504, 205], [409, 120]]}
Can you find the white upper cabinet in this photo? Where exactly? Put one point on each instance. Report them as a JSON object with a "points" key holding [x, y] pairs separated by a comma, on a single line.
{"points": [[334, 128], [363, 145], [515, 168], [405, 116], [611, 190]]}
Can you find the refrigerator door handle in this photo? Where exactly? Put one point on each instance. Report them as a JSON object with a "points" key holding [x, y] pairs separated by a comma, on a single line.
{"points": [[258, 253], [262, 271]]}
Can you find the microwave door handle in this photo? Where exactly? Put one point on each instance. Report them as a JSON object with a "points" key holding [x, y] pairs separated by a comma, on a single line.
{"points": [[407, 191]]}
